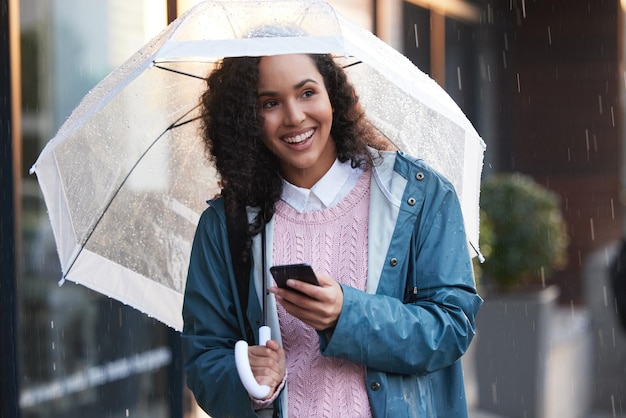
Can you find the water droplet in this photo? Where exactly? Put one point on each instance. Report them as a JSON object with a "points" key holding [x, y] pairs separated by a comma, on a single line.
{"points": [[600, 103], [612, 117], [549, 36]]}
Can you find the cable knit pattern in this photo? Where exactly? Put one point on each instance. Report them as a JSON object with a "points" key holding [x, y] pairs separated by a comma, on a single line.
{"points": [[334, 242]]}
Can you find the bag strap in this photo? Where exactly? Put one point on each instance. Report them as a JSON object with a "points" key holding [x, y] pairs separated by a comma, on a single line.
{"points": [[237, 228]]}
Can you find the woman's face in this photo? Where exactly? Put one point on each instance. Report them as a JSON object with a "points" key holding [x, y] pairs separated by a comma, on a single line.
{"points": [[297, 117]]}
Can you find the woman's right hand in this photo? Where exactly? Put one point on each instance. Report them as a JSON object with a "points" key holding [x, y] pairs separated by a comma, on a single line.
{"points": [[268, 364]]}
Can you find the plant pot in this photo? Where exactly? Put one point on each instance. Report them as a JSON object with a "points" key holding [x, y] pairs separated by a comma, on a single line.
{"points": [[512, 348]]}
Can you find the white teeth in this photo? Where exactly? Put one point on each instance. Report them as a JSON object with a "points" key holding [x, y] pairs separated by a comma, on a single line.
{"points": [[299, 138]]}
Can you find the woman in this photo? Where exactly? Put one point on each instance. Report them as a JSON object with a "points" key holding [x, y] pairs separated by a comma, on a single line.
{"points": [[384, 332]]}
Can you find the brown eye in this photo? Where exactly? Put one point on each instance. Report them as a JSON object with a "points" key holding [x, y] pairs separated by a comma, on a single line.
{"points": [[269, 104]]}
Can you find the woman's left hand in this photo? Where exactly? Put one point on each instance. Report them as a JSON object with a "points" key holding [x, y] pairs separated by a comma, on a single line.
{"points": [[321, 306]]}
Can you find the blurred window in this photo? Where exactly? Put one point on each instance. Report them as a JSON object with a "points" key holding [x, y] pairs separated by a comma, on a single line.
{"points": [[81, 354]]}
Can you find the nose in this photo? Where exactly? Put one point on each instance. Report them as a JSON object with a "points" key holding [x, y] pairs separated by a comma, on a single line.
{"points": [[294, 115]]}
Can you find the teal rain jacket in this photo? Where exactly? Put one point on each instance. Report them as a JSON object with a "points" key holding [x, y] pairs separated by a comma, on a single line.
{"points": [[410, 327]]}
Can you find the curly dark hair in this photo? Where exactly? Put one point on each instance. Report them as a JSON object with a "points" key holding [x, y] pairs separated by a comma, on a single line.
{"points": [[231, 128]]}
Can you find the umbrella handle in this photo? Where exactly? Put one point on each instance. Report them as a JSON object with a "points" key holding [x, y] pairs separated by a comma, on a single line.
{"points": [[243, 365]]}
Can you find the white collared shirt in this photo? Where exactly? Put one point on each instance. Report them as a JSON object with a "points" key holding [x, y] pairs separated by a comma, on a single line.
{"points": [[336, 184]]}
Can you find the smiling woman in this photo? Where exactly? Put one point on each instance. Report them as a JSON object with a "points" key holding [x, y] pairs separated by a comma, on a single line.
{"points": [[295, 150]]}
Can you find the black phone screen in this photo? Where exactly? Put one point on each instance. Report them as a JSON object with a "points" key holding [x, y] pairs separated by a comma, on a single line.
{"points": [[302, 272]]}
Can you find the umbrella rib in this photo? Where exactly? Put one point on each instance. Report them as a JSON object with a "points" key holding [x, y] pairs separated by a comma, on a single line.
{"points": [[175, 124], [352, 64], [204, 78], [178, 72]]}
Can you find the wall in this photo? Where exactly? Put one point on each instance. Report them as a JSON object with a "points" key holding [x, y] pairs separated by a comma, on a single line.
{"points": [[566, 124]]}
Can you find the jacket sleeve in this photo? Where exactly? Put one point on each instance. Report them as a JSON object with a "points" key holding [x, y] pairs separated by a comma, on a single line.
{"points": [[211, 326], [422, 318]]}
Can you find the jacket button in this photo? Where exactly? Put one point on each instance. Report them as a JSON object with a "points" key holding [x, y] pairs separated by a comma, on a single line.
{"points": [[375, 386], [419, 176], [393, 262], [411, 201]]}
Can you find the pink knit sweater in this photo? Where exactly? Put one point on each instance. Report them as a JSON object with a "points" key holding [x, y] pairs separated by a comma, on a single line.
{"points": [[334, 242]]}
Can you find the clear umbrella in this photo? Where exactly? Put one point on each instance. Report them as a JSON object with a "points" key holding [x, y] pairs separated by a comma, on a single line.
{"points": [[125, 179]]}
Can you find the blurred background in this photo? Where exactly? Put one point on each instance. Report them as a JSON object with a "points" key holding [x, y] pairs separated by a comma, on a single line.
{"points": [[543, 82]]}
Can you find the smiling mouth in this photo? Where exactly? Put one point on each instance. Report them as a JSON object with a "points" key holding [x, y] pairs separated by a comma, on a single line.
{"points": [[299, 138]]}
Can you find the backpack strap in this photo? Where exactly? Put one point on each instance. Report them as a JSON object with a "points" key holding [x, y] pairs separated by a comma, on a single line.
{"points": [[237, 228]]}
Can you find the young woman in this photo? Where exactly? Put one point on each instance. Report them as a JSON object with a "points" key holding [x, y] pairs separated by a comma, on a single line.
{"points": [[384, 332]]}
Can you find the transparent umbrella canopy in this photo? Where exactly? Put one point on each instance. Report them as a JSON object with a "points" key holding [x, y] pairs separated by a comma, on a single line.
{"points": [[126, 177]]}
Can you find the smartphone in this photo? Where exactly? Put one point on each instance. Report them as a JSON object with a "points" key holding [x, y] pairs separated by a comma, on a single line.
{"points": [[302, 272]]}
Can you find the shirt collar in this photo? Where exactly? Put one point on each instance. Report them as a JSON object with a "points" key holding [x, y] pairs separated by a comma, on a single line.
{"points": [[325, 190]]}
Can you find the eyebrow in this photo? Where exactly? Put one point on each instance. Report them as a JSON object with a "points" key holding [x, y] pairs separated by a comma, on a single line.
{"points": [[297, 86]]}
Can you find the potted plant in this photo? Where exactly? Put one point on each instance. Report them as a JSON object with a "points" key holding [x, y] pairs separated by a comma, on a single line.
{"points": [[523, 234], [524, 239]]}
